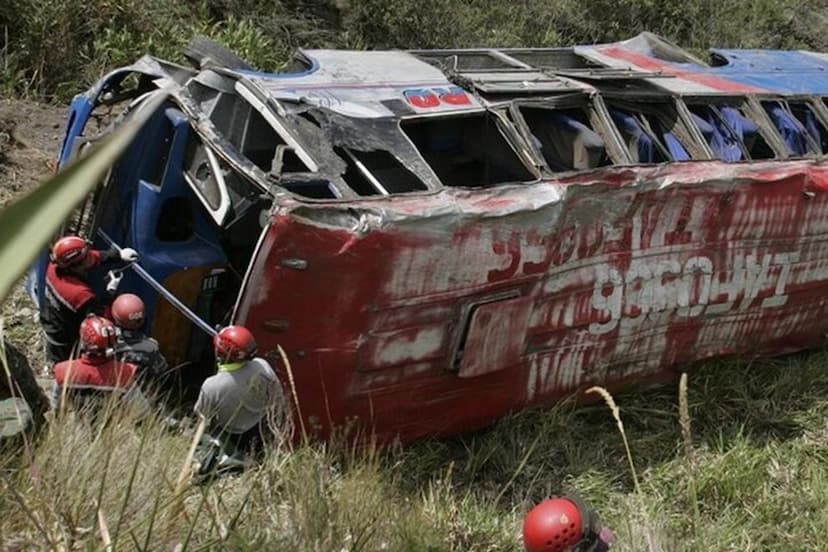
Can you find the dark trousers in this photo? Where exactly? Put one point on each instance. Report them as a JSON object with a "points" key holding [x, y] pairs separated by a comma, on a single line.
{"points": [[58, 352]]}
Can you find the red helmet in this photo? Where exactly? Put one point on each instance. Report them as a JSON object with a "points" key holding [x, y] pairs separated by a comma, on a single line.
{"points": [[234, 343], [128, 311], [554, 525], [97, 335], [70, 251]]}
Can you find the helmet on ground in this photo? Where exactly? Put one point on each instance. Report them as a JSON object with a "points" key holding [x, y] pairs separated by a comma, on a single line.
{"points": [[70, 251], [554, 525], [128, 311], [234, 343], [97, 335]]}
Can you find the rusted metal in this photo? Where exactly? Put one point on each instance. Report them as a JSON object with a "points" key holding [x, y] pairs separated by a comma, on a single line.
{"points": [[620, 275], [422, 297]]}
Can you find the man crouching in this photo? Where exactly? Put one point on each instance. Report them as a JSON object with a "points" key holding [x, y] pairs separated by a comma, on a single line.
{"points": [[90, 380], [234, 402]]}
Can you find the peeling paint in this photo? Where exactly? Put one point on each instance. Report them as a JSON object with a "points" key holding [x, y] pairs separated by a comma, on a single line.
{"points": [[433, 308]]}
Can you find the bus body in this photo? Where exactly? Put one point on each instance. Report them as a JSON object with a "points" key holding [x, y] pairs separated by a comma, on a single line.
{"points": [[439, 238]]}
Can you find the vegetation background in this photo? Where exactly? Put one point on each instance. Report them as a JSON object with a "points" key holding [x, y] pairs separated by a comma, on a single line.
{"points": [[743, 465], [51, 49]]}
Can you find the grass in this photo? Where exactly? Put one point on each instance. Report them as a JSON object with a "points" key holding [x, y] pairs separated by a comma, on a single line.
{"points": [[736, 462], [758, 479]]}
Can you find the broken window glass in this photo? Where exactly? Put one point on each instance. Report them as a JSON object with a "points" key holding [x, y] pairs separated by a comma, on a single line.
{"points": [[467, 151], [251, 134], [731, 134], [565, 138], [649, 136]]}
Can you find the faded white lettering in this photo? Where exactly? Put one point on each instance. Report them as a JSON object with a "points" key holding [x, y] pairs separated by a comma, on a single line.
{"points": [[654, 286]]}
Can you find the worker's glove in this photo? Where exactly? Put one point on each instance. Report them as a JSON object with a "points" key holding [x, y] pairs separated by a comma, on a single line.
{"points": [[113, 279], [129, 255]]}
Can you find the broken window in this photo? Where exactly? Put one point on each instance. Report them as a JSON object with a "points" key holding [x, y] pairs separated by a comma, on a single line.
{"points": [[159, 151], [377, 173], [357, 176], [553, 58], [125, 86], [200, 174], [800, 128], [806, 114], [465, 60], [251, 134], [731, 134], [651, 133], [467, 151], [566, 138], [204, 176]]}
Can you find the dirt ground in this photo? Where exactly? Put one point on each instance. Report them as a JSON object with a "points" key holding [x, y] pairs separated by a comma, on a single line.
{"points": [[30, 137]]}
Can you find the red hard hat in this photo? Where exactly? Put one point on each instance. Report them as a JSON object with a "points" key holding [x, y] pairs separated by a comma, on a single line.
{"points": [[97, 335], [128, 311], [69, 251], [234, 343], [554, 525]]}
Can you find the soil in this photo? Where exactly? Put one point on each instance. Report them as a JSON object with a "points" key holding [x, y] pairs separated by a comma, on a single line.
{"points": [[30, 138]]}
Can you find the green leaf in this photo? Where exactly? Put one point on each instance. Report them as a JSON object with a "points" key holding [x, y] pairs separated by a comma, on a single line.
{"points": [[28, 224]]}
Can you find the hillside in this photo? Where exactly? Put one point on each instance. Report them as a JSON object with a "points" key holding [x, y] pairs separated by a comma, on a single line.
{"points": [[749, 471]]}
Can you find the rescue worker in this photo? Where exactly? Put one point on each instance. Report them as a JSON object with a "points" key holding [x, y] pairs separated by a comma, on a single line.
{"points": [[134, 346], [565, 524], [96, 374], [68, 297], [234, 401]]}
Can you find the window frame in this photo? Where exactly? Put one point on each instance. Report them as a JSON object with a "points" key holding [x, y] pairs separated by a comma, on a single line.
{"points": [[750, 107], [817, 106], [508, 132], [218, 214], [597, 115], [683, 128]]}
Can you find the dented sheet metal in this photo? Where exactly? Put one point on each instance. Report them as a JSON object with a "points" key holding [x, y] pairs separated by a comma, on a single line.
{"points": [[359, 84], [412, 230], [603, 278]]}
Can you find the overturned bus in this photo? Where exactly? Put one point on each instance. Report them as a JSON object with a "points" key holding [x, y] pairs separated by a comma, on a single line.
{"points": [[438, 238]]}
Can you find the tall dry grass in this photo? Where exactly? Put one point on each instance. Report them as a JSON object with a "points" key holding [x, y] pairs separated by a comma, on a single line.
{"points": [[753, 475]]}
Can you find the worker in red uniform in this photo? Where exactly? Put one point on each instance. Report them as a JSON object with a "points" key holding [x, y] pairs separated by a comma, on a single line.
{"points": [[234, 401], [565, 524], [89, 379], [68, 297]]}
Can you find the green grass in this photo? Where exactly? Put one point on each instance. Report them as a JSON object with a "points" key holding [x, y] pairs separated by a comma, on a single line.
{"points": [[758, 478], [760, 474]]}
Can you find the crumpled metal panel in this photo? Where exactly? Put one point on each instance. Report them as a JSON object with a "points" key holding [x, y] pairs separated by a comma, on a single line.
{"points": [[628, 272], [357, 83]]}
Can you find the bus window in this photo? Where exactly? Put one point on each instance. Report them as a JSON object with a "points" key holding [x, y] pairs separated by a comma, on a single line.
{"points": [[731, 134]]}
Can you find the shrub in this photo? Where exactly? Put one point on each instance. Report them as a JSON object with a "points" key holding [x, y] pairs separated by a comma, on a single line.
{"points": [[61, 46]]}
